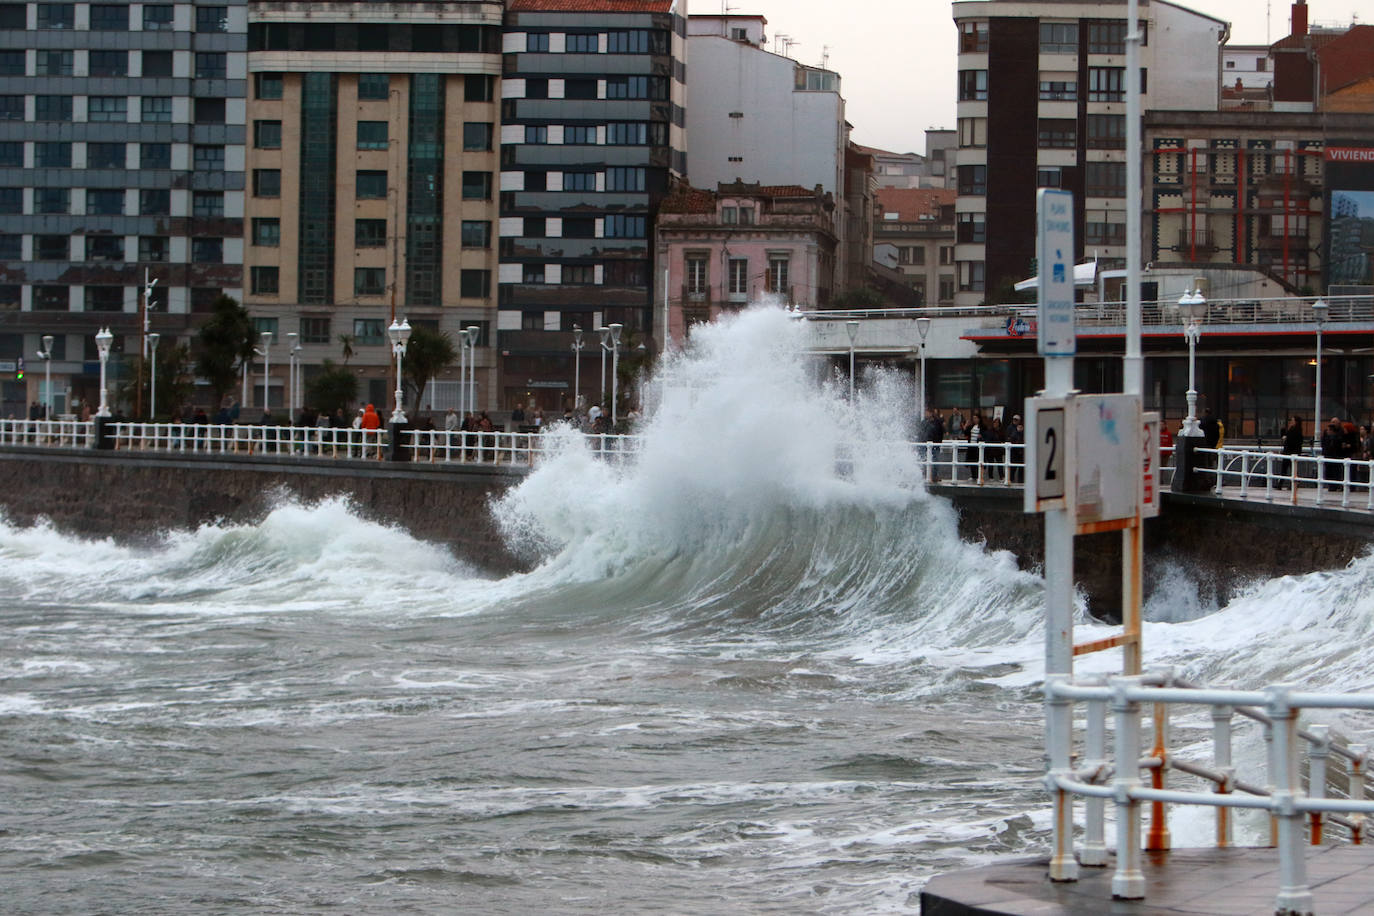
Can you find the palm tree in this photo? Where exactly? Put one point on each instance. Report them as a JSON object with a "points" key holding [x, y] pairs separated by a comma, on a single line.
{"points": [[346, 341], [225, 345], [428, 353]]}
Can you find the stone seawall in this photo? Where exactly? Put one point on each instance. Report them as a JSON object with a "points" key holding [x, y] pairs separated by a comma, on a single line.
{"points": [[132, 496]]}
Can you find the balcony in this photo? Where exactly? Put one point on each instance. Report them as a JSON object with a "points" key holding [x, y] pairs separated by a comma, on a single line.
{"points": [[1201, 241]]}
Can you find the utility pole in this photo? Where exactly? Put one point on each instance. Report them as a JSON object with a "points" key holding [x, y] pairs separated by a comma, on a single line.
{"points": [[145, 303]]}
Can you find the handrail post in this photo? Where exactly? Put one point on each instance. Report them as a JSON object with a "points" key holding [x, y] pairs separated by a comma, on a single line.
{"points": [[1128, 883], [1345, 484], [1318, 754], [1094, 851], [1159, 838], [1294, 895], [1360, 755], [1221, 754], [1244, 475], [1059, 737]]}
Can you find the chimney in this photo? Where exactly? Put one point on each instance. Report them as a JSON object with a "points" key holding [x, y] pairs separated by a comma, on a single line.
{"points": [[1299, 17]]}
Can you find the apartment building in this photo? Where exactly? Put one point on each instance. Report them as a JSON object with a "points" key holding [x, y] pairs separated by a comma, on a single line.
{"points": [[372, 163], [592, 134], [913, 234], [121, 158], [1042, 102]]}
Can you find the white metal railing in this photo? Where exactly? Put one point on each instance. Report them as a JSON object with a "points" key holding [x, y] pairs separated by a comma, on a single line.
{"points": [[1166, 313], [235, 439], [1273, 477], [46, 433], [1101, 777], [496, 448]]}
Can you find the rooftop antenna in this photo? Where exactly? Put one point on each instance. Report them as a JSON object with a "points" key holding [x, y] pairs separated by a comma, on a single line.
{"points": [[1268, 21], [825, 57]]}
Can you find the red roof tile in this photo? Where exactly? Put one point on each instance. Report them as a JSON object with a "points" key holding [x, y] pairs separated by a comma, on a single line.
{"points": [[913, 203], [590, 6]]}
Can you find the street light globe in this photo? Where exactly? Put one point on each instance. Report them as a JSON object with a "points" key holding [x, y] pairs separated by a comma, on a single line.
{"points": [[266, 337], [615, 330], [47, 345], [923, 327], [853, 328], [103, 339], [153, 338], [1320, 310], [577, 337]]}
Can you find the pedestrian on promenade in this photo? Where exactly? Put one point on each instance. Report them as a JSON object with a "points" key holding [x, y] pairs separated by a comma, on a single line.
{"points": [[1292, 445], [1016, 436], [1333, 451]]}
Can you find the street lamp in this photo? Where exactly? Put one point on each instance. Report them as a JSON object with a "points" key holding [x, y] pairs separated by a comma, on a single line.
{"points": [[615, 330], [293, 349], [266, 354], [923, 328], [577, 367], [400, 336], [605, 345], [853, 328], [45, 354], [102, 343], [1191, 304], [153, 338], [462, 372], [1319, 312], [473, 332]]}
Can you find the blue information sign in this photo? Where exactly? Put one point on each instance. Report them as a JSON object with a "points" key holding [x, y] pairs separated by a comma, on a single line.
{"points": [[1054, 255]]}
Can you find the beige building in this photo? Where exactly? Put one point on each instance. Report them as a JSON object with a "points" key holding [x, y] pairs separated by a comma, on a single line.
{"points": [[372, 156], [913, 234]]}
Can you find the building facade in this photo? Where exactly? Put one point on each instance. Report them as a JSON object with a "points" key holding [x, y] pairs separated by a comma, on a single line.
{"points": [[372, 164], [121, 158], [1041, 103], [592, 136], [913, 234], [743, 243]]}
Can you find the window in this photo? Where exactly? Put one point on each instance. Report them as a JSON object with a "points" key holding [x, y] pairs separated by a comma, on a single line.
{"points": [[369, 281], [314, 330], [207, 251], [267, 182], [579, 88], [537, 88], [474, 284], [11, 247], [211, 65], [265, 281], [369, 233], [105, 201], [477, 186], [53, 155], [973, 85], [621, 178], [537, 42], [579, 181], [11, 154], [729, 215], [746, 216], [207, 204], [152, 248], [157, 18], [1058, 38], [479, 88], [52, 247], [368, 331], [107, 108], [536, 181], [370, 185], [579, 227], [209, 111], [581, 43], [52, 107], [12, 200], [1106, 84], [11, 63], [477, 135], [1105, 179], [209, 158], [531, 321], [579, 135], [536, 134], [157, 63], [154, 202], [535, 227], [636, 87], [636, 41], [1058, 90], [11, 108], [739, 278], [973, 132], [51, 298], [1049, 178], [696, 269], [1057, 133], [626, 274], [1105, 233], [476, 233], [619, 226], [267, 86], [52, 200], [109, 17], [156, 108], [579, 274], [1108, 36], [372, 135], [104, 248], [155, 156], [972, 276], [56, 15], [109, 63], [266, 324], [53, 63], [971, 228], [532, 273], [104, 298], [973, 179], [1106, 131], [776, 277], [266, 232], [212, 19], [631, 133], [267, 134], [13, 16], [973, 37]]}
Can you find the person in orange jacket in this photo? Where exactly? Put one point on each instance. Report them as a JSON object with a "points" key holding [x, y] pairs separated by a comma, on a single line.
{"points": [[370, 418]]}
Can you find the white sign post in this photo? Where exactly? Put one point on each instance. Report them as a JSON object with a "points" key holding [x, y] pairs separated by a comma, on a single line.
{"points": [[1054, 254]]}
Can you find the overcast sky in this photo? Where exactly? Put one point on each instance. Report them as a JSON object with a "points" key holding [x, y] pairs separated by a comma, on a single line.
{"points": [[897, 57]]}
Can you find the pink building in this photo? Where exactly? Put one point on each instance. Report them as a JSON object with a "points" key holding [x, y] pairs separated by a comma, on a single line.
{"points": [[740, 244]]}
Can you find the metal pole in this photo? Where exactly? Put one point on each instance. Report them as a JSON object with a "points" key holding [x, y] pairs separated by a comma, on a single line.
{"points": [[47, 371], [152, 384], [605, 335], [853, 328], [473, 331], [1319, 310], [102, 343], [291, 348], [577, 367], [615, 370]]}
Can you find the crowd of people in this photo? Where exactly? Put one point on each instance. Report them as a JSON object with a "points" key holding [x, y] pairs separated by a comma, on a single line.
{"points": [[976, 428]]}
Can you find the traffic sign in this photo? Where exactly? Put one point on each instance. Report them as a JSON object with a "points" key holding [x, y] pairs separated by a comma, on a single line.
{"points": [[1055, 257], [1049, 452]]}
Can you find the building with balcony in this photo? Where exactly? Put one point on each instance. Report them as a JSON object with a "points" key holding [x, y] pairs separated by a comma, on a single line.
{"points": [[741, 243], [914, 235], [592, 134], [121, 157], [372, 169], [1042, 102]]}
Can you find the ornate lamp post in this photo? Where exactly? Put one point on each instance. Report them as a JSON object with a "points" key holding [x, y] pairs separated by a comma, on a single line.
{"points": [[1319, 312], [102, 344], [473, 332], [1191, 304], [615, 330], [605, 346], [853, 328], [153, 338], [462, 371], [293, 348], [45, 354], [266, 354], [923, 328], [577, 367], [400, 336]]}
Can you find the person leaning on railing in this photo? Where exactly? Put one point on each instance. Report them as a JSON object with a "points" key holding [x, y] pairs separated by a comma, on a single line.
{"points": [[1292, 445]]}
